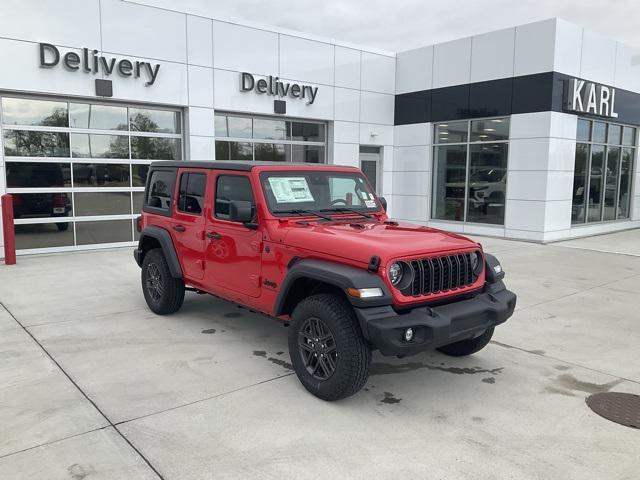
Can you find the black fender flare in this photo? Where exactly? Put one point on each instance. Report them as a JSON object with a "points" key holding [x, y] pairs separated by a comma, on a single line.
{"points": [[338, 275], [166, 244]]}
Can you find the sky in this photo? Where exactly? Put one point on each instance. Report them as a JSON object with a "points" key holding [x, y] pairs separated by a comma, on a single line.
{"points": [[405, 24]]}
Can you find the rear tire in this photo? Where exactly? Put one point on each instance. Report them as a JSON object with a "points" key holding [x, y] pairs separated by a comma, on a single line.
{"points": [[164, 293], [329, 354], [467, 347]]}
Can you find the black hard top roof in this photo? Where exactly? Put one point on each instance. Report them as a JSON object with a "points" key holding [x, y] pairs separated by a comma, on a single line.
{"points": [[243, 166]]}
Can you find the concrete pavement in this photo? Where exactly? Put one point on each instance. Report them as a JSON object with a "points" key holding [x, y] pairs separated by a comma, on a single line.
{"points": [[92, 385]]}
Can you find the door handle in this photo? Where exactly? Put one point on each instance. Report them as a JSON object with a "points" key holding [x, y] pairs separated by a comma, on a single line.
{"points": [[179, 228], [214, 236]]}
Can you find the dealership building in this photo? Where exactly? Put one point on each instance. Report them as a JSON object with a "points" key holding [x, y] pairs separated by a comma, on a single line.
{"points": [[528, 132]]}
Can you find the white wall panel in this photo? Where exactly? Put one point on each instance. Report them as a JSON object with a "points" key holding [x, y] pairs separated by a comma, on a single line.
{"points": [[201, 121], [26, 75], [201, 148], [411, 207], [529, 154], [414, 134], [492, 55], [598, 58], [346, 154], [412, 159], [245, 49], [200, 41], [530, 125], [73, 23], [562, 154], [452, 63], [347, 67], [373, 134], [627, 73], [558, 215], [346, 132], [411, 183], [321, 108], [347, 104], [525, 215], [378, 73], [170, 86], [200, 86], [376, 108], [414, 70], [131, 29], [535, 48], [568, 48], [526, 185], [227, 95], [306, 60], [563, 125]]}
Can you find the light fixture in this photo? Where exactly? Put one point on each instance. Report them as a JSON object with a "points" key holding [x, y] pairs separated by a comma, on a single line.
{"points": [[365, 292], [408, 334], [489, 129], [497, 120]]}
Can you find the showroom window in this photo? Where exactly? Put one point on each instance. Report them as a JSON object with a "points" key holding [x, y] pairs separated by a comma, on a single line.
{"points": [[470, 170], [77, 170], [604, 159], [241, 137]]}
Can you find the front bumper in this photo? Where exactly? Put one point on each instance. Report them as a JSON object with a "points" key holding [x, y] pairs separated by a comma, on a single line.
{"points": [[436, 326]]}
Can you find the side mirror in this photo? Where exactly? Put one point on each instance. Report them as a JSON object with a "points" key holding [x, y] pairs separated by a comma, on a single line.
{"points": [[240, 211], [383, 202]]}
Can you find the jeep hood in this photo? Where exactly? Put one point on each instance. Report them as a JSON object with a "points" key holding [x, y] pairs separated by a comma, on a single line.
{"points": [[360, 240]]}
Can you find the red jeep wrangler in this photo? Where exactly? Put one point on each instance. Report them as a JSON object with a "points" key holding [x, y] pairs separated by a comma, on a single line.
{"points": [[312, 245]]}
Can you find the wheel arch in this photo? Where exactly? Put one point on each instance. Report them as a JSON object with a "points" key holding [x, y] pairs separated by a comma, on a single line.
{"points": [[309, 277], [156, 237]]}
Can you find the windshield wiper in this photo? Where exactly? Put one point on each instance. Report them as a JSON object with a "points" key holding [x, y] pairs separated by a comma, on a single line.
{"points": [[298, 211], [346, 210]]}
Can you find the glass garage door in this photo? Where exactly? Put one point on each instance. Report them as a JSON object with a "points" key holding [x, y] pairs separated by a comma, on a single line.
{"points": [[77, 170], [245, 137]]}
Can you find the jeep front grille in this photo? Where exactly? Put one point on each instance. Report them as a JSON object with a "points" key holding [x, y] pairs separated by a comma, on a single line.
{"points": [[439, 274]]}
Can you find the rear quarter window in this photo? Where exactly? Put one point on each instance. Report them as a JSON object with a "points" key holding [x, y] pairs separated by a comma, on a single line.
{"points": [[160, 190]]}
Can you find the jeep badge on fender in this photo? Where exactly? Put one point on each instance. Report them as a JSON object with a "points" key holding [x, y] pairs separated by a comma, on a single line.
{"points": [[312, 245]]}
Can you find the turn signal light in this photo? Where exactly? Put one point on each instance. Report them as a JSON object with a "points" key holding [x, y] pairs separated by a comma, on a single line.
{"points": [[365, 292]]}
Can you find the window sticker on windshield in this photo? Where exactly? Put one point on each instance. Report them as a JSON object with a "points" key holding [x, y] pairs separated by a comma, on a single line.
{"points": [[290, 189], [370, 203]]}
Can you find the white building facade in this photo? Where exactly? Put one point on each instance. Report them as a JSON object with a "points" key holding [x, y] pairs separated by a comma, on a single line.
{"points": [[479, 135]]}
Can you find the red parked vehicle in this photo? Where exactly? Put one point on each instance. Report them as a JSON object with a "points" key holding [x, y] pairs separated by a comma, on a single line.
{"points": [[312, 245]]}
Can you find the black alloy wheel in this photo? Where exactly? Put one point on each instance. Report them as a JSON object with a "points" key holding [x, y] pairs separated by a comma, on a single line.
{"points": [[163, 293], [153, 282], [317, 347]]}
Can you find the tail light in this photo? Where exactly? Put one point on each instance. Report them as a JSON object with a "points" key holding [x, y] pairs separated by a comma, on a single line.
{"points": [[58, 200], [139, 223]]}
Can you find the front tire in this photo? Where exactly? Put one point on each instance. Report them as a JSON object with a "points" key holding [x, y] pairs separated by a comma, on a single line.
{"points": [[328, 352], [467, 347], [164, 293]]}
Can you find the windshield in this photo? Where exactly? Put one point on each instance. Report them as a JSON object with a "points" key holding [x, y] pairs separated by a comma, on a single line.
{"points": [[305, 192]]}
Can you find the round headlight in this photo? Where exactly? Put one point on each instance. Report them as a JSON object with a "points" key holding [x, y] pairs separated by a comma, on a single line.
{"points": [[476, 262], [395, 273]]}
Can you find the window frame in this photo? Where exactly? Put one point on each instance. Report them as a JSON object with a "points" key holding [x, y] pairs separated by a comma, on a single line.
{"points": [[188, 174], [157, 210], [136, 189], [288, 142], [467, 145], [590, 143], [219, 176]]}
